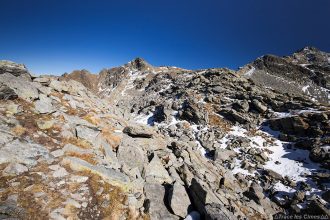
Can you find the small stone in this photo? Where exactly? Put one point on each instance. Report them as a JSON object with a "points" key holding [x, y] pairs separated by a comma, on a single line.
{"points": [[44, 125], [60, 173], [15, 169], [57, 153]]}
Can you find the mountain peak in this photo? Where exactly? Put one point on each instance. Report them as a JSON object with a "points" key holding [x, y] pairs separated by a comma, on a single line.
{"points": [[140, 64]]}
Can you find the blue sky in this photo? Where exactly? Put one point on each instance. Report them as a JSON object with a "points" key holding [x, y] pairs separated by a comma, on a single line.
{"points": [[57, 36]]}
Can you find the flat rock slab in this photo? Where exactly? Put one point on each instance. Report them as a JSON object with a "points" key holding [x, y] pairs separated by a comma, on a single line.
{"points": [[20, 85], [155, 206], [114, 177], [22, 152], [138, 131]]}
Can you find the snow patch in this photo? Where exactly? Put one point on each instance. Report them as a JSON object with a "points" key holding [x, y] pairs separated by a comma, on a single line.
{"points": [[250, 72]]}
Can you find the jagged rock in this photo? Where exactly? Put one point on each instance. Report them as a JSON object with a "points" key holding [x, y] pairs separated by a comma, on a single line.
{"points": [[138, 131], [319, 154], [179, 200], [154, 203], [22, 152], [114, 177], [217, 211], [59, 86], [223, 155], [43, 125], [193, 113], [273, 174], [13, 68], [87, 133], [256, 192], [44, 105], [290, 125], [131, 154], [42, 80], [259, 106], [20, 85], [154, 172], [7, 93], [14, 169]]}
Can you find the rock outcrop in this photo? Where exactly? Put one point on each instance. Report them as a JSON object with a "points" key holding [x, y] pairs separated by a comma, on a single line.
{"points": [[145, 142]]}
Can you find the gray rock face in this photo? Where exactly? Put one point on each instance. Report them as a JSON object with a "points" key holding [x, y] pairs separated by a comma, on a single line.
{"points": [[216, 211], [156, 173], [131, 154], [138, 131], [86, 133], [58, 86], [20, 85], [204, 130], [7, 93], [22, 152], [306, 72], [223, 155], [14, 169], [154, 204], [259, 106], [44, 105], [179, 200], [13, 68]]}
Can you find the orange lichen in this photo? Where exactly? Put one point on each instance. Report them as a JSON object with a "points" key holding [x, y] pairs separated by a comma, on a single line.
{"points": [[93, 119], [77, 142], [18, 130], [86, 157], [112, 138]]}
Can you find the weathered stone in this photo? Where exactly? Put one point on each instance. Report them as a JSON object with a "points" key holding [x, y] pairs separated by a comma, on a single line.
{"points": [[59, 86], [154, 203], [179, 200], [156, 173], [138, 131], [130, 154], [274, 175], [44, 105], [22, 152], [7, 93], [217, 211], [223, 155], [114, 177], [87, 133], [259, 106], [43, 125], [13, 68], [21, 87], [14, 169]]}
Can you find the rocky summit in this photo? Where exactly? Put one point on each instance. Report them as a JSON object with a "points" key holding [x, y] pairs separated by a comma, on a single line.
{"points": [[145, 142]]}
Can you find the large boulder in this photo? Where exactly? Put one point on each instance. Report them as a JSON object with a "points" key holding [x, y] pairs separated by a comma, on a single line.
{"points": [[21, 86], [44, 105], [138, 131], [154, 203], [217, 212], [14, 69], [156, 173], [179, 200], [7, 93], [131, 154]]}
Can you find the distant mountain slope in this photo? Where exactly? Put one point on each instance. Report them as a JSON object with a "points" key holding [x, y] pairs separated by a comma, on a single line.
{"points": [[86, 78], [306, 72]]}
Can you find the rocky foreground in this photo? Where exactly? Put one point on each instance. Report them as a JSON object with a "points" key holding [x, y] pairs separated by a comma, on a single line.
{"points": [[145, 142]]}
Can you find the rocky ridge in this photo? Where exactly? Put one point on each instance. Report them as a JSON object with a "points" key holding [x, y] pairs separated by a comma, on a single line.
{"points": [[145, 142]]}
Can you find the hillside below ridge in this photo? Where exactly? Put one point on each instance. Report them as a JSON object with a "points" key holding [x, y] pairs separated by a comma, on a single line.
{"points": [[145, 142]]}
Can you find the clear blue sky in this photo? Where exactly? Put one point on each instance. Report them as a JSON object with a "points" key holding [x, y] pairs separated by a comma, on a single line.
{"points": [[56, 36]]}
